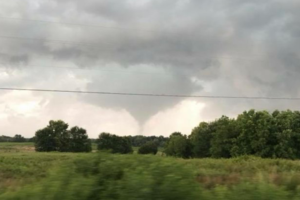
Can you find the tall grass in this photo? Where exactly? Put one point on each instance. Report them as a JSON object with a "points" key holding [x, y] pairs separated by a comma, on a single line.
{"points": [[119, 177], [18, 169], [115, 177]]}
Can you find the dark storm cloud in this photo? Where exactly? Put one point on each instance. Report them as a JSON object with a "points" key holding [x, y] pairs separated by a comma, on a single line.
{"points": [[245, 48]]}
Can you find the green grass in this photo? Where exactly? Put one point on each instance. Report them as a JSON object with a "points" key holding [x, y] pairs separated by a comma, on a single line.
{"points": [[94, 146], [17, 169], [16, 144], [16, 147], [29, 175]]}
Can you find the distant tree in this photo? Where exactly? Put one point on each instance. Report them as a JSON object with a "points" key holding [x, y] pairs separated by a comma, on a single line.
{"points": [[4, 138], [148, 148], [224, 134], [62, 135], [18, 138], [178, 146], [105, 141], [45, 140], [79, 141], [57, 137], [123, 145], [31, 139], [286, 127], [114, 143], [140, 140], [255, 134], [259, 133], [200, 140]]}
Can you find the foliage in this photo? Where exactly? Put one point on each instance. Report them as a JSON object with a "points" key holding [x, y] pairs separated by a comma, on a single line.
{"points": [[19, 138], [140, 140], [223, 137], [178, 146], [114, 143], [148, 148], [258, 133], [79, 140], [16, 138], [200, 140], [255, 135], [32, 139], [57, 137], [4, 138]]}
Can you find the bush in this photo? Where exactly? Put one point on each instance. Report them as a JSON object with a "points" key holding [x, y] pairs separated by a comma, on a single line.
{"points": [[178, 145], [114, 143], [148, 148]]}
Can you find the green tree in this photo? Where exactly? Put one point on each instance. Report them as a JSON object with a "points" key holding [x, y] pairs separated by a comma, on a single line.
{"points": [[255, 134], [18, 138], [139, 140], [258, 133], [4, 138], [45, 140], [286, 127], [223, 137], [148, 148], [61, 134], [31, 139], [114, 143], [200, 140], [79, 141], [57, 137], [178, 146]]}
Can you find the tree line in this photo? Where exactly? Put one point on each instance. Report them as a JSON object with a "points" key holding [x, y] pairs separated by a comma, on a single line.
{"points": [[57, 137], [123, 145], [16, 138], [140, 140], [259, 133]]}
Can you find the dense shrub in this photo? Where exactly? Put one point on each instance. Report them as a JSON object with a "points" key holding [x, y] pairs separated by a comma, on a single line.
{"points": [[114, 143], [178, 145], [140, 140], [148, 148]]}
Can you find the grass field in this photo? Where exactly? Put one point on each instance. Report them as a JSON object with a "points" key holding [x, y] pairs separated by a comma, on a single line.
{"points": [[24, 174], [16, 147]]}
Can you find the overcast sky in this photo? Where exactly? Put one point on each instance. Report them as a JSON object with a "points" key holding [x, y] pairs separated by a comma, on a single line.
{"points": [[190, 47]]}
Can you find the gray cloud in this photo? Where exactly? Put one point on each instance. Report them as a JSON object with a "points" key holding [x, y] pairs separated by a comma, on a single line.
{"points": [[240, 48]]}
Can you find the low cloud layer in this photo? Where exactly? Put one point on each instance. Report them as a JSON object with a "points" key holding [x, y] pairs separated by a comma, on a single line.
{"points": [[238, 48]]}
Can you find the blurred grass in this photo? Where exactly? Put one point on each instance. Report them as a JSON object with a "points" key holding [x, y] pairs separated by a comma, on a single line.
{"points": [[94, 146], [106, 176], [17, 169], [247, 177]]}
